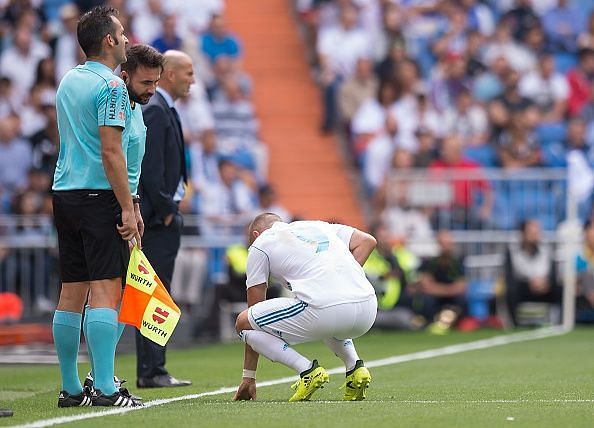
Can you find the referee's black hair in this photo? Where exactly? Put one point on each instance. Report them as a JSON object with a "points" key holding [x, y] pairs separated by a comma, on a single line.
{"points": [[93, 26], [144, 56]]}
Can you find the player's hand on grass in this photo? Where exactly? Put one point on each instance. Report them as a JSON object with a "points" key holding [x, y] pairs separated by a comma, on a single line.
{"points": [[129, 227], [246, 390]]}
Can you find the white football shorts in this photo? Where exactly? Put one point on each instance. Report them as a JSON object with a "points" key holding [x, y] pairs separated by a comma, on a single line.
{"points": [[297, 322]]}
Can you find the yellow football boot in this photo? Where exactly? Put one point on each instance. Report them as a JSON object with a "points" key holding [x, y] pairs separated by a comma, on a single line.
{"points": [[311, 380], [356, 383]]}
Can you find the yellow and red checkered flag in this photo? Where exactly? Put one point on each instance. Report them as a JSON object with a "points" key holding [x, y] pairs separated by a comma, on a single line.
{"points": [[146, 304]]}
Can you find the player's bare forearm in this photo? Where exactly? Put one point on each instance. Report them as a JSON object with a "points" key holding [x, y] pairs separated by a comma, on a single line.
{"points": [[114, 164], [255, 294], [250, 360], [361, 246]]}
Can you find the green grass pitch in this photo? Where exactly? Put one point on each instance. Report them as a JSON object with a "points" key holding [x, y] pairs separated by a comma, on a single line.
{"points": [[541, 383]]}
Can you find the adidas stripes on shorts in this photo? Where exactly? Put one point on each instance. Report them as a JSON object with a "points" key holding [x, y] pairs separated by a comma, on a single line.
{"points": [[295, 321]]}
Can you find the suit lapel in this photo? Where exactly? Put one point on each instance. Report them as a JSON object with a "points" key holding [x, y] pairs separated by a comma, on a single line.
{"points": [[178, 133], [179, 136]]}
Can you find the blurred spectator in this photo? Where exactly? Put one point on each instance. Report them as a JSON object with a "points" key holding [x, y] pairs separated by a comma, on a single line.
{"points": [[357, 89], [19, 61], [194, 16], [45, 75], [586, 39], [372, 118], [454, 38], [237, 128], [562, 25], [472, 197], [391, 268], [466, 119], [234, 114], [31, 114], [268, 203], [147, 23], [427, 148], [205, 164], [529, 271], [228, 204], [489, 83], [46, 142], [502, 44], [517, 145], [8, 101], [67, 49], [405, 223], [449, 80], [547, 89], [226, 68], [413, 108], [442, 285], [521, 18], [479, 17], [218, 41], [580, 81], [535, 41], [503, 108], [475, 63], [168, 38], [576, 139], [389, 35], [585, 271], [338, 50], [195, 112], [377, 161], [189, 273], [15, 156]]}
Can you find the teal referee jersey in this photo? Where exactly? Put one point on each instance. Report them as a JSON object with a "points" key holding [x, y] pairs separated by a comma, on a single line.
{"points": [[89, 96], [136, 148]]}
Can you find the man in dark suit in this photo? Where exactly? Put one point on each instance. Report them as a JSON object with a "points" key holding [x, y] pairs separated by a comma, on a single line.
{"points": [[162, 186]]}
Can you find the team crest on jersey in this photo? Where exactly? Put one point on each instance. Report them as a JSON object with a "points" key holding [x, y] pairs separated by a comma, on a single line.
{"points": [[113, 84]]}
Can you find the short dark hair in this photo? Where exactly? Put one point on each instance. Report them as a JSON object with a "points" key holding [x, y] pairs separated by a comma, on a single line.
{"points": [[93, 26], [144, 56]]}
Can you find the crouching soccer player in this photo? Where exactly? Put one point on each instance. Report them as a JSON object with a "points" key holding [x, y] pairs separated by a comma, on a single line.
{"points": [[334, 302]]}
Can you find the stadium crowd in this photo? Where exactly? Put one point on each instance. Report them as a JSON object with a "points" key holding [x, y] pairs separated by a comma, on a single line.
{"points": [[436, 85]]}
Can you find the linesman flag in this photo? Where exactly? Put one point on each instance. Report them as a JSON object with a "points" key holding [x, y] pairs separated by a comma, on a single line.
{"points": [[146, 303]]}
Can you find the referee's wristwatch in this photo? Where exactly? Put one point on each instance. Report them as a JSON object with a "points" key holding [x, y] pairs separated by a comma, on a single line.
{"points": [[136, 199]]}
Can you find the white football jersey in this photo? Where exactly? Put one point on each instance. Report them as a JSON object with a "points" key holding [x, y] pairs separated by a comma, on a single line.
{"points": [[313, 259]]}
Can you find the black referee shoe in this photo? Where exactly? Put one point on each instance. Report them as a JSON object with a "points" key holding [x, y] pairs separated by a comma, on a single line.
{"points": [[89, 382], [80, 400], [120, 398]]}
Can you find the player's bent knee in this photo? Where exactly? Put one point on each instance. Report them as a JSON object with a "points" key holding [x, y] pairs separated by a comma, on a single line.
{"points": [[242, 322]]}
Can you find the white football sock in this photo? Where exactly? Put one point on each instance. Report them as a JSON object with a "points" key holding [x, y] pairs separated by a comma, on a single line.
{"points": [[345, 350], [275, 349]]}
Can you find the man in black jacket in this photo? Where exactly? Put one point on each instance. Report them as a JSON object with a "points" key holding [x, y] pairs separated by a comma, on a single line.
{"points": [[162, 186]]}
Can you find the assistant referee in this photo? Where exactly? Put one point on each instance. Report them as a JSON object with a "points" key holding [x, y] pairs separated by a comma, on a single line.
{"points": [[90, 190]]}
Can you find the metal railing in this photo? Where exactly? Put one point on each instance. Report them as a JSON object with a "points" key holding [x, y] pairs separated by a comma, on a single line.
{"points": [[481, 198]]}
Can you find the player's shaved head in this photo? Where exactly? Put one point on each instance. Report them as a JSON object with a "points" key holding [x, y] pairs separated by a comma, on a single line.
{"points": [[178, 74], [173, 59], [261, 223]]}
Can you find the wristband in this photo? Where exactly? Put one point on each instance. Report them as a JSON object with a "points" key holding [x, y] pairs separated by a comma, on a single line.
{"points": [[136, 199], [249, 373]]}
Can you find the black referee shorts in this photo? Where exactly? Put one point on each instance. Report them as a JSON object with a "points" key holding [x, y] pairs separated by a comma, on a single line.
{"points": [[90, 246]]}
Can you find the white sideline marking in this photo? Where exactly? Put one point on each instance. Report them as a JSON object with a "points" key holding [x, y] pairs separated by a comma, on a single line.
{"points": [[422, 355]]}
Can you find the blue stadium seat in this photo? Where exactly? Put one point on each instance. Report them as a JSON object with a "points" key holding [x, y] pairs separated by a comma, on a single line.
{"points": [[478, 294], [484, 155], [565, 61]]}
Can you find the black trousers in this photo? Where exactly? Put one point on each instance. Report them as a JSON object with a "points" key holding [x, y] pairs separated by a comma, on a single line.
{"points": [[160, 245]]}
